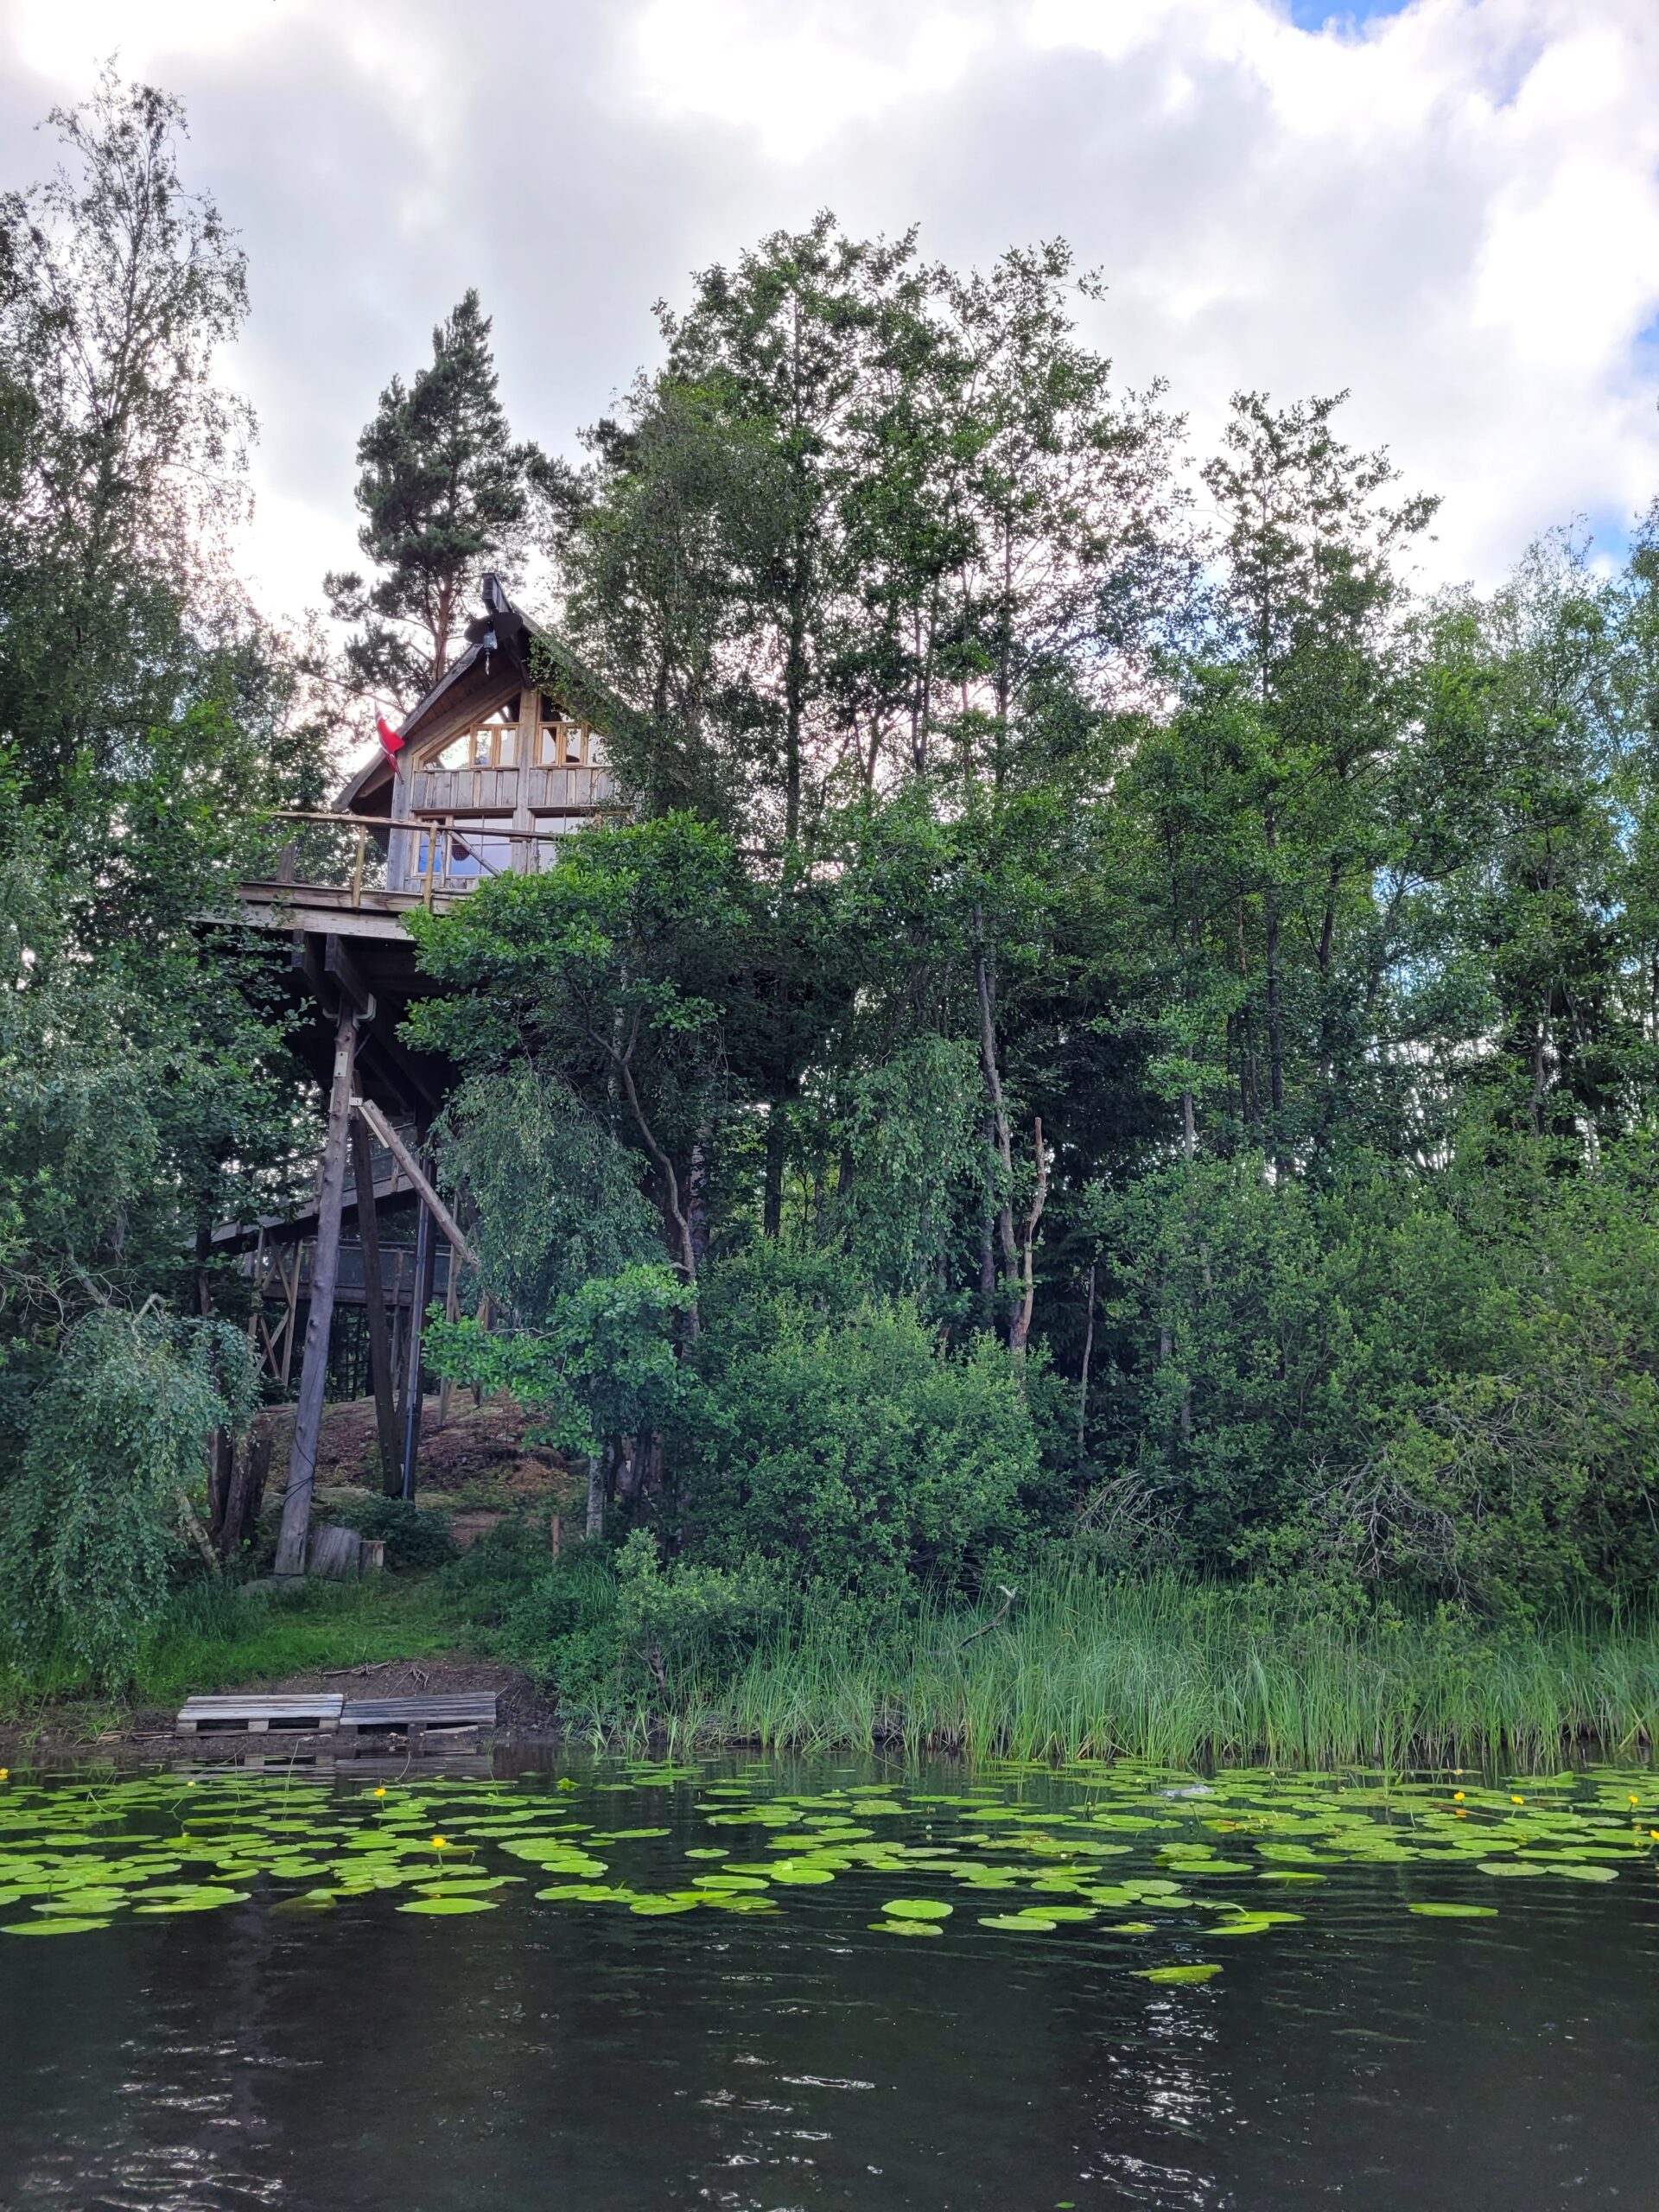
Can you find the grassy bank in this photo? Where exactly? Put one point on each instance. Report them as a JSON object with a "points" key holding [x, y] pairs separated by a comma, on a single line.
{"points": [[216, 1636], [1168, 1671], [1083, 1667]]}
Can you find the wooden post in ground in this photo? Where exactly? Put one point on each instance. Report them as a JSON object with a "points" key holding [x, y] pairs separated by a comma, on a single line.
{"points": [[324, 1272], [426, 1257], [381, 1372]]}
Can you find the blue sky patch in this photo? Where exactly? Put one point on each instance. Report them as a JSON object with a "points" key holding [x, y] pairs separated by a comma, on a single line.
{"points": [[1315, 15]]}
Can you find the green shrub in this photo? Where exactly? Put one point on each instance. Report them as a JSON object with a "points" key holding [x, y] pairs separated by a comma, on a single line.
{"points": [[839, 1438], [621, 1631]]}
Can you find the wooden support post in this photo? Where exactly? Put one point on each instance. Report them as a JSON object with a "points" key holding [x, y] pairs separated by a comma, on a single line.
{"points": [[383, 1375], [324, 1271], [426, 1254]]}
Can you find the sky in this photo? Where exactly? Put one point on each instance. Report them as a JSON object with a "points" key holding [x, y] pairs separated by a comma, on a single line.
{"points": [[1448, 207]]}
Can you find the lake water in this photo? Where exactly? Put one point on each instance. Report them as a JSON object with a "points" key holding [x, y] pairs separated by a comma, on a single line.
{"points": [[256, 2003]]}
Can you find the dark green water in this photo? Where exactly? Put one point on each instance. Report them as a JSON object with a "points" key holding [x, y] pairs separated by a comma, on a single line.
{"points": [[582, 2052]]}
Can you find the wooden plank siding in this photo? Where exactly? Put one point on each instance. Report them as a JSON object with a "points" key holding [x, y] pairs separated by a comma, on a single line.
{"points": [[495, 790]]}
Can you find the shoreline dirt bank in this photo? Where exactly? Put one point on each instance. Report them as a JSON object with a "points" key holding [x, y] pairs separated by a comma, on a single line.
{"points": [[127, 1735]]}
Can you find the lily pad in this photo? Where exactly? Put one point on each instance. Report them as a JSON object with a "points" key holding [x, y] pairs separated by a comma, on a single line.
{"points": [[204, 1899], [447, 1905], [53, 1927], [1195, 1973], [1436, 1910]]}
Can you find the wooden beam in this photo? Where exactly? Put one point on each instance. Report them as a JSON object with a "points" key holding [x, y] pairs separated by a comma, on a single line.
{"points": [[324, 1272], [411, 1167], [374, 1306], [347, 976]]}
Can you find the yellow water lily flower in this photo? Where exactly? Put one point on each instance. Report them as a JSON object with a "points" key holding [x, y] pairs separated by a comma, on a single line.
{"points": [[379, 1793], [1457, 1796], [1517, 1801], [437, 1843]]}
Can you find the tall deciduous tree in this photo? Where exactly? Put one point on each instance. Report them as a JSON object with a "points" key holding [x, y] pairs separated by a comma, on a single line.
{"points": [[120, 455]]}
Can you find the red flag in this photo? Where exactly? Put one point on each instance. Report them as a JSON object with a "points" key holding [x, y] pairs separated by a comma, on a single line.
{"points": [[388, 736]]}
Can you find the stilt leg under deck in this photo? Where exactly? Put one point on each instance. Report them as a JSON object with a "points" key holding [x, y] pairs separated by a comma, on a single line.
{"points": [[324, 1271], [374, 1304], [426, 1254]]}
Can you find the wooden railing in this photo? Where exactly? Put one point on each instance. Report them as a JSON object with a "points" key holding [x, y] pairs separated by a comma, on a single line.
{"points": [[442, 834]]}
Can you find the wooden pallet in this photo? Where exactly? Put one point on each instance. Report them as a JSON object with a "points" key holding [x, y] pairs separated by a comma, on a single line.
{"points": [[304, 1712], [379, 1716]]}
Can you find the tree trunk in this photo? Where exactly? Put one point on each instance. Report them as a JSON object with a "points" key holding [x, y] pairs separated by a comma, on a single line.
{"points": [[1019, 1328], [1087, 1354], [984, 993], [1270, 955]]}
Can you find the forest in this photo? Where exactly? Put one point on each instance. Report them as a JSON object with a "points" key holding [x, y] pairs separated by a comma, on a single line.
{"points": [[1102, 1090]]}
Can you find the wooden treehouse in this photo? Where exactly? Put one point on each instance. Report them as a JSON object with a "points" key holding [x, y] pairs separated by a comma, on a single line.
{"points": [[491, 772]]}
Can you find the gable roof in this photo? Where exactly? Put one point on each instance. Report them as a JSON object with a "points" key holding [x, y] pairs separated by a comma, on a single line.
{"points": [[501, 634]]}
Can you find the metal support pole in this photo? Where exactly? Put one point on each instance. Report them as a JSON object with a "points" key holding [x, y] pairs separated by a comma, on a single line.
{"points": [[325, 1272], [426, 1254]]}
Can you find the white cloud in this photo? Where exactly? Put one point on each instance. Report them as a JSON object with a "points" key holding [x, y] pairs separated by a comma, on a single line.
{"points": [[66, 40], [796, 76], [1453, 208]]}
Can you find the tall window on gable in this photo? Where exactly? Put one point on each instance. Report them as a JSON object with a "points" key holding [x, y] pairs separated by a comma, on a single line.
{"points": [[490, 742]]}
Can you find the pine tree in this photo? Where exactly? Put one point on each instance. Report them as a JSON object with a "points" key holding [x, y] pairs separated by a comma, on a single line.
{"points": [[443, 492]]}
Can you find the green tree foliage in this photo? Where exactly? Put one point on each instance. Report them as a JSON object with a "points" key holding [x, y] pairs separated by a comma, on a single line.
{"points": [[120, 454], [555, 1199], [92, 1524], [147, 725], [615, 966], [443, 493], [1246, 936], [835, 1435]]}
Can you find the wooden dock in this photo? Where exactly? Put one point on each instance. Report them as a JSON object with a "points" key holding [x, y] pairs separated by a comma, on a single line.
{"points": [[304, 1712], [417, 1717], [307, 1712]]}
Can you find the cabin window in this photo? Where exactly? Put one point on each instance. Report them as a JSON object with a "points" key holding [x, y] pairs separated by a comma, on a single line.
{"points": [[563, 744], [490, 742]]}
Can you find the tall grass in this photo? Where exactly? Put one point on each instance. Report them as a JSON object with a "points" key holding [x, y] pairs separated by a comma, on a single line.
{"points": [[1172, 1672]]}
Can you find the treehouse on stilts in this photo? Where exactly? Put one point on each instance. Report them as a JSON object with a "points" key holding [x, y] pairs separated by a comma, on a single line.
{"points": [[488, 773]]}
